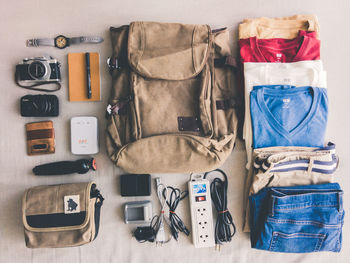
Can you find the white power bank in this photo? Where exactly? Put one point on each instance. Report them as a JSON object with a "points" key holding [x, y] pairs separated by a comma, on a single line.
{"points": [[84, 135]]}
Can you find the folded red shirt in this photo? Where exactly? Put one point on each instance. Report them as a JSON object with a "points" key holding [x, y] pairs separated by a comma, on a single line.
{"points": [[305, 46]]}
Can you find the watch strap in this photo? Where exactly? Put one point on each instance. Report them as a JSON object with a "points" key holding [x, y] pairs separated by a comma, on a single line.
{"points": [[35, 42], [92, 40]]}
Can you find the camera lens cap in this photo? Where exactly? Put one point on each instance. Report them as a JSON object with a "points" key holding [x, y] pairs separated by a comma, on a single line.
{"points": [[37, 70]]}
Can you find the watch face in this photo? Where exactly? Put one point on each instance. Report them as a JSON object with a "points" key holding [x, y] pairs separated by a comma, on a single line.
{"points": [[61, 41]]}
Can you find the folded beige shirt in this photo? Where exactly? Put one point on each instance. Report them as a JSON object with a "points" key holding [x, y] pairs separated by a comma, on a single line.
{"points": [[280, 27]]}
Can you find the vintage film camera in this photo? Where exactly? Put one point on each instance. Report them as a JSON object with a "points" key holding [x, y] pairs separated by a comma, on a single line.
{"points": [[38, 71]]}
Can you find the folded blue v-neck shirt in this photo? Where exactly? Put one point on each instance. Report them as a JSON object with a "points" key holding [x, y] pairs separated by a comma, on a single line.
{"points": [[288, 116]]}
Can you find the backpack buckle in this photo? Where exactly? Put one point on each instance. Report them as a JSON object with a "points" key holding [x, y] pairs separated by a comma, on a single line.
{"points": [[118, 108], [112, 64]]}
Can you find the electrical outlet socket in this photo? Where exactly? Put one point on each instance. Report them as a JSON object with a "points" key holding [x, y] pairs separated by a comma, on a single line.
{"points": [[201, 212], [205, 230]]}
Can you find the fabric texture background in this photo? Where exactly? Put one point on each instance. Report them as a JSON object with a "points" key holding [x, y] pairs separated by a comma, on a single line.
{"points": [[22, 20]]}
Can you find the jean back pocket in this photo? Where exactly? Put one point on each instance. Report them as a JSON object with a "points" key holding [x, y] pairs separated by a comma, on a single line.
{"points": [[296, 242]]}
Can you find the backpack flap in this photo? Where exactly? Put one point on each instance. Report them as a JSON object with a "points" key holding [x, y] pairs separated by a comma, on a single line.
{"points": [[57, 207], [168, 51]]}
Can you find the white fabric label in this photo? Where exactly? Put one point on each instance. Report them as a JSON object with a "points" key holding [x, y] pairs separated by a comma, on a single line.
{"points": [[71, 204]]}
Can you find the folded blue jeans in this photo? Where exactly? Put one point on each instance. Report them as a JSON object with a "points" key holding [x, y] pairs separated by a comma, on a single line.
{"points": [[298, 219]]}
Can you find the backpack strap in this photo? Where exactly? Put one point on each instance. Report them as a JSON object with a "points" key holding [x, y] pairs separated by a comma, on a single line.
{"points": [[225, 61], [226, 104]]}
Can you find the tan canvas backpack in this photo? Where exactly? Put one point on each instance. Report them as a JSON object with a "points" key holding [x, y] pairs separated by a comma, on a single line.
{"points": [[172, 107]]}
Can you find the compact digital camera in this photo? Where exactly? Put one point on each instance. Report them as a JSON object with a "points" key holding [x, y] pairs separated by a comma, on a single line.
{"points": [[39, 106], [38, 70]]}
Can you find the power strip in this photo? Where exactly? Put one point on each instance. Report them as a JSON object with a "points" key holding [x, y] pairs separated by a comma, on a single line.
{"points": [[201, 211]]}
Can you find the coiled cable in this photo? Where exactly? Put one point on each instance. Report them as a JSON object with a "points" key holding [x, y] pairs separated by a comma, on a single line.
{"points": [[225, 228], [155, 231], [160, 222], [176, 224]]}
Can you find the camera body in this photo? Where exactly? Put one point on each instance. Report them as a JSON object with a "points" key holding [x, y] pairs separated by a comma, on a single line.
{"points": [[38, 70]]}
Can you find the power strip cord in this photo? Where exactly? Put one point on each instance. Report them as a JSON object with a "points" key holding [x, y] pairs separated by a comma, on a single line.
{"points": [[225, 229]]}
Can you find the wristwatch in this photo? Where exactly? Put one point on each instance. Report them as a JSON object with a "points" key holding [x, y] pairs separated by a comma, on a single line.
{"points": [[62, 41]]}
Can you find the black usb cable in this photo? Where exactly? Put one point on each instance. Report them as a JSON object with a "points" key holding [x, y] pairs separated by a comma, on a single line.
{"points": [[225, 229], [176, 224]]}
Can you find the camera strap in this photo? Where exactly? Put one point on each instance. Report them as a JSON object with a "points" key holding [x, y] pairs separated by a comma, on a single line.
{"points": [[32, 87]]}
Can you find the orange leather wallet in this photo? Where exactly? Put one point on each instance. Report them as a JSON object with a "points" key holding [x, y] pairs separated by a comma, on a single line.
{"points": [[40, 137]]}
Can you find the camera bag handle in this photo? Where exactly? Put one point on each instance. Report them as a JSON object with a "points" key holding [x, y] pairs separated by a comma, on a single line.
{"points": [[32, 87]]}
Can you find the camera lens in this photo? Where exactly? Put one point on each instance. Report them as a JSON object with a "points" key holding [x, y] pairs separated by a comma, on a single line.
{"points": [[37, 70]]}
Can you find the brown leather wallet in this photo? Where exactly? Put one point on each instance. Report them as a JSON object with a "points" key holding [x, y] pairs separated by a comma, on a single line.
{"points": [[40, 137]]}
